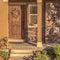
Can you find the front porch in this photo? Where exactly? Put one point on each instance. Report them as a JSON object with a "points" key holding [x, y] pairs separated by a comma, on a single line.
{"points": [[23, 22], [21, 26], [26, 24]]}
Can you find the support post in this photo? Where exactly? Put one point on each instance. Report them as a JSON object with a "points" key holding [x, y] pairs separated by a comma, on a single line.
{"points": [[39, 20]]}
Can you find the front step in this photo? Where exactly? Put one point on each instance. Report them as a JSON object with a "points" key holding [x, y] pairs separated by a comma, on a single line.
{"points": [[21, 53], [21, 50], [16, 58], [15, 40]]}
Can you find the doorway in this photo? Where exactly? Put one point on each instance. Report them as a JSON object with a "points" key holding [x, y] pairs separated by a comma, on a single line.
{"points": [[16, 23]]}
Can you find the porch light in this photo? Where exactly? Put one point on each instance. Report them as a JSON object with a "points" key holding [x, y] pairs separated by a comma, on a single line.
{"points": [[5, 0]]}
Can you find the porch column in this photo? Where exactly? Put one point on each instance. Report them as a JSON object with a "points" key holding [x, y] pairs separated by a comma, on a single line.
{"points": [[39, 34]]}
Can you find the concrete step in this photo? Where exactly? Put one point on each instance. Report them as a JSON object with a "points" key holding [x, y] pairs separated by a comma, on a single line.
{"points": [[16, 58], [15, 40], [22, 46], [21, 50], [21, 53]]}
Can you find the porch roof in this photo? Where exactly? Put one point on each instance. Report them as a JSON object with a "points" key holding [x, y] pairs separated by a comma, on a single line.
{"points": [[22, 0]]}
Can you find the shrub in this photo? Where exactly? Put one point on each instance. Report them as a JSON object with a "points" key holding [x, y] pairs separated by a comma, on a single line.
{"points": [[4, 55], [57, 50], [51, 51], [57, 58], [44, 52], [41, 57]]}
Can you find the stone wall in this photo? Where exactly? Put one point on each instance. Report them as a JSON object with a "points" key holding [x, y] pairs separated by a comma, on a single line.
{"points": [[32, 34], [52, 28]]}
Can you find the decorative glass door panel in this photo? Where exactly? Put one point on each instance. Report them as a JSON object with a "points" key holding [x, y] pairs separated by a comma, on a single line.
{"points": [[52, 22]]}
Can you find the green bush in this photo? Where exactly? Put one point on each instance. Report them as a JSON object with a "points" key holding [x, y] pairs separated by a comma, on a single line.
{"points": [[57, 58], [4, 55], [44, 52], [41, 57], [50, 51], [57, 49]]}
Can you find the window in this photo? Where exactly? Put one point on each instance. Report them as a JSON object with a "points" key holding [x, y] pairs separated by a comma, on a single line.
{"points": [[33, 19], [32, 14], [33, 10]]}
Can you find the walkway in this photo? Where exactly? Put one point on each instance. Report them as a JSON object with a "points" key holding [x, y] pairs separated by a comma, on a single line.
{"points": [[20, 50]]}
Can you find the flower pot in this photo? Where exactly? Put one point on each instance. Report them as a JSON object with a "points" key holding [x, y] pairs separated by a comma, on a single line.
{"points": [[1, 58]]}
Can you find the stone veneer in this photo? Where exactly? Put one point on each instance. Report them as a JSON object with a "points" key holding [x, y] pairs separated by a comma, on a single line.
{"points": [[52, 31], [32, 34]]}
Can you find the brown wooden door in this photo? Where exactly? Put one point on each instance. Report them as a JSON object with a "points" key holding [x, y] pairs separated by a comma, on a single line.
{"points": [[14, 16]]}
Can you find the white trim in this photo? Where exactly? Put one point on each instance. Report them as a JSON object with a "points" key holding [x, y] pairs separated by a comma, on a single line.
{"points": [[35, 25], [29, 19], [33, 14], [39, 44]]}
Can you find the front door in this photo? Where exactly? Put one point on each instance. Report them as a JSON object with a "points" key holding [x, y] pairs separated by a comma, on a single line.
{"points": [[14, 17]]}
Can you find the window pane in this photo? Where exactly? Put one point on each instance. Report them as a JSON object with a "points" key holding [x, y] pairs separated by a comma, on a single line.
{"points": [[33, 19], [33, 10]]}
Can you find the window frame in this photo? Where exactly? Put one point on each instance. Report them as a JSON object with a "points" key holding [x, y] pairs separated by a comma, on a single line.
{"points": [[29, 14]]}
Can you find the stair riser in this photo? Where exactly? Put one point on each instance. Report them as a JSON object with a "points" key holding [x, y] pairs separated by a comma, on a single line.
{"points": [[20, 55], [15, 40], [21, 51]]}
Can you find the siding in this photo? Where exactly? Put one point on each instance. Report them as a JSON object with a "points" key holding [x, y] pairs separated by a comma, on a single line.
{"points": [[3, 19]]}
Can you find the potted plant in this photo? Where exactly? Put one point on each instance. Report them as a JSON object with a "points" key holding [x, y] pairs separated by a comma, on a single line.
{"points": [[1, 58]]}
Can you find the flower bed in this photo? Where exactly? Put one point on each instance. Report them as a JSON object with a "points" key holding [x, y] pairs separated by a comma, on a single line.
{"points": [[47, 54]]}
